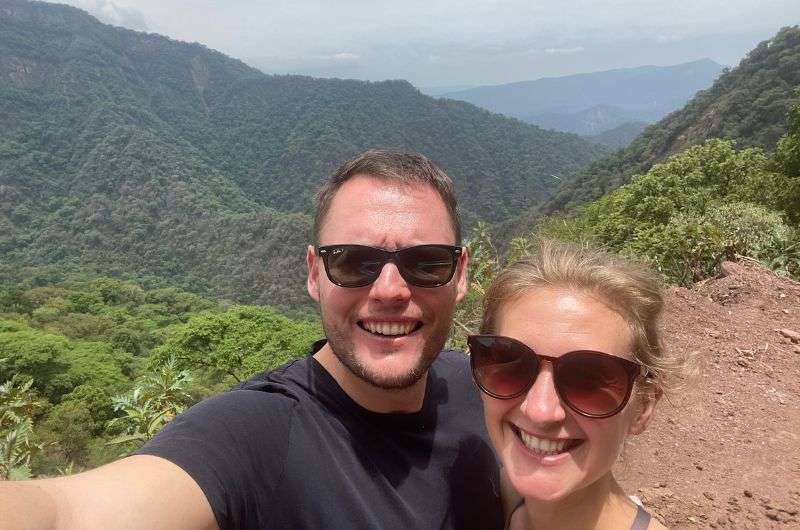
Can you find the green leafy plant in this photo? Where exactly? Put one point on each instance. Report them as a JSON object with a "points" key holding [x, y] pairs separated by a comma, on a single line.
{"points": [[484, 263], [156, 399], [18, 406]]}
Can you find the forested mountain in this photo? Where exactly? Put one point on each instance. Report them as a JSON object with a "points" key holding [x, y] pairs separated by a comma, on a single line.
{"points": [[592, 103], [132, 154], [597, 119], [747, 104], [620, 136], [437, 91], [700, 207]]}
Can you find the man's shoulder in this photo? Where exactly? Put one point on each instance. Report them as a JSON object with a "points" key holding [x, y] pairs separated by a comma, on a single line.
{"points": [[293, 374], [452, 364], [239, 409], [455, 357], [271, 396], [451, 374]]}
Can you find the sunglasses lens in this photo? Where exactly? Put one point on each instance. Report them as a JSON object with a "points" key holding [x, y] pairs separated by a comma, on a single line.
{"points": [[502, 368], [354, 266], [427, 265], [593, 384], [422, 265]]}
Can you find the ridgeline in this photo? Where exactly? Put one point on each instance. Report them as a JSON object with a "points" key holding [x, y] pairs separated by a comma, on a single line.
{"points": [[747, 104], [134, 155]]}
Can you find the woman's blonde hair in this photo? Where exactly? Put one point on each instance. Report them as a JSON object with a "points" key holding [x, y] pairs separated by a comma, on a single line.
{"points": [[628, 288]]}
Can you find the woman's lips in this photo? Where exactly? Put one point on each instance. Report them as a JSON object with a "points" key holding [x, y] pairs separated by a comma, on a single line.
{"points": [[546, 448]]}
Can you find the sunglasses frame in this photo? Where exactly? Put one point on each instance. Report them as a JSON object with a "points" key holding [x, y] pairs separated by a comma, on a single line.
{"points": [[386, 256], [632, 369]]}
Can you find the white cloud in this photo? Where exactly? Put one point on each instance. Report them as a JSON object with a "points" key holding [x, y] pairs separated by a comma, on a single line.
{"points": [[458, 41], [345, 57], [564, 51], [112, 13], [672, 37]]}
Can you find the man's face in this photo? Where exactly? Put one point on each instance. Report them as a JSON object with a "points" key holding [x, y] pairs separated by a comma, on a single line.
{"points": [[388, 332]]}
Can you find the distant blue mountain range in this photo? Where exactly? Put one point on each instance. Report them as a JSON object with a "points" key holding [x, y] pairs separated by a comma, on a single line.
{"points": [[590, 104]]}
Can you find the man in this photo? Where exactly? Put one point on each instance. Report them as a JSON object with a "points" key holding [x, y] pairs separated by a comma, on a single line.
{"points": [[376, 430]]}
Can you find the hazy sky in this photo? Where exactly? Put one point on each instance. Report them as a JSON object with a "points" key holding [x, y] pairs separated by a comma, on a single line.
{"points": [[463, 42]]}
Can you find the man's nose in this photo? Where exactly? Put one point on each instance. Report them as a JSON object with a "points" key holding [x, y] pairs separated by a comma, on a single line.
{"points": [[541, 403], [390, 285]]}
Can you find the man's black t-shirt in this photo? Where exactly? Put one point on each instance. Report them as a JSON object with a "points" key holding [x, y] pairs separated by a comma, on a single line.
{"points": [[289, 449]]}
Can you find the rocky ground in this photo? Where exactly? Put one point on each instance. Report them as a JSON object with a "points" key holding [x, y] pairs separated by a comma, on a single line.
{"points": [[725, 452]]}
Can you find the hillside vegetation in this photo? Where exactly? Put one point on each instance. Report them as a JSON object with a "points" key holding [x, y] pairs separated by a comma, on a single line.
{"points": [[131, 154], [619, 137], [90, 369], [93, 369], [163, 164], [747, 104], [709, 203]]}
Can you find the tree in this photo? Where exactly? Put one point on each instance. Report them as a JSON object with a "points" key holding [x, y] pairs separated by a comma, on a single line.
{"points": [[484, 263], [18, 406], [37, 355], [699, 207], [787, 154], [787, 162], [240, 342], [67, 431]]}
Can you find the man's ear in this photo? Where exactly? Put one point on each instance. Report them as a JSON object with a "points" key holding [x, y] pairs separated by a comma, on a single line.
{"points": [[648, 396], [312, 262], [462, 275]]}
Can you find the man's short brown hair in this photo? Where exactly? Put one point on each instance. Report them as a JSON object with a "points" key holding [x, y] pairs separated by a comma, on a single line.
{"points": [[393, 166]]}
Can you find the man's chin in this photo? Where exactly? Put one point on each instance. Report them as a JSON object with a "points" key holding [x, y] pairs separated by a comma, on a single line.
{"points": [[397, 365], [390, 378], [390, 373]]}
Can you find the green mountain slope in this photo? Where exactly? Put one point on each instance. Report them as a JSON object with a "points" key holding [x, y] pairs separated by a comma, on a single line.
{"points": [[129, 153], [620, 136], [747, 104]]}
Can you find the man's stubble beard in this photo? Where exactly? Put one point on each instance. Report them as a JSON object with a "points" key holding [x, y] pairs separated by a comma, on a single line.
{"points": [[342, 347]]}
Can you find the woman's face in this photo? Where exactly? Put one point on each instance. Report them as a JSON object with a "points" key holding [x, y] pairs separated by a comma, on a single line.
{"points": [[577, 450]]}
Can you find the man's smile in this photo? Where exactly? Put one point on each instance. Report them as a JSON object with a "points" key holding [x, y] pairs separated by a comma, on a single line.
{"points": [[393, 328]]}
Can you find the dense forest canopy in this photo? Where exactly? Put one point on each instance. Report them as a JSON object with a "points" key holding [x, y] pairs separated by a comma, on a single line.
{"points": [[135, 155], [103, 364]]}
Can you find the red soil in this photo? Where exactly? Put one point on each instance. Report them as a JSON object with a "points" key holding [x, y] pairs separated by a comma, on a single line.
{"points": [[725, 452]]}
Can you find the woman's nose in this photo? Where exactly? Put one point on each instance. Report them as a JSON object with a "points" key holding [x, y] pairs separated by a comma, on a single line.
{"points": [[541, 403]]}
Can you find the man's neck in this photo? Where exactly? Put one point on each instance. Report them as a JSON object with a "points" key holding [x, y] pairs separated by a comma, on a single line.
{"points": [[369, 396]]}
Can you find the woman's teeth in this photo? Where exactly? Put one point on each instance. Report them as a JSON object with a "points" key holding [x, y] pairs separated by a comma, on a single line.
{"points": [[542, 446], [388, 328]]}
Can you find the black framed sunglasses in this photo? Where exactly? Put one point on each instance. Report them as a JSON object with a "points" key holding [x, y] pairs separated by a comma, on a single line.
{"points": [[360, 265], [593, 384]]}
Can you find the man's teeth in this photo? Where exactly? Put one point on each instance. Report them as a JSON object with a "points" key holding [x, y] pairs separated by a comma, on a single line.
{"points": [[542, 446], [389, 328]]}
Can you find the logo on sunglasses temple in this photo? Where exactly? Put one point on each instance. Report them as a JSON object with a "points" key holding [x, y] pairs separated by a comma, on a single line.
{"points": [[360, 265]]}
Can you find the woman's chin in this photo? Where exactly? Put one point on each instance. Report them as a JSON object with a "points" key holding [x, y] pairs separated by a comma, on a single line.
{"points": [[541, 491]]}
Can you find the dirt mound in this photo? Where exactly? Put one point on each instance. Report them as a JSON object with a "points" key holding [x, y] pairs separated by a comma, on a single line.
{"points": [[725, 453]]}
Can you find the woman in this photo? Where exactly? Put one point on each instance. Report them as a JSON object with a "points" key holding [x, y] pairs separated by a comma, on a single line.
{"points": [[570, 364]]}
